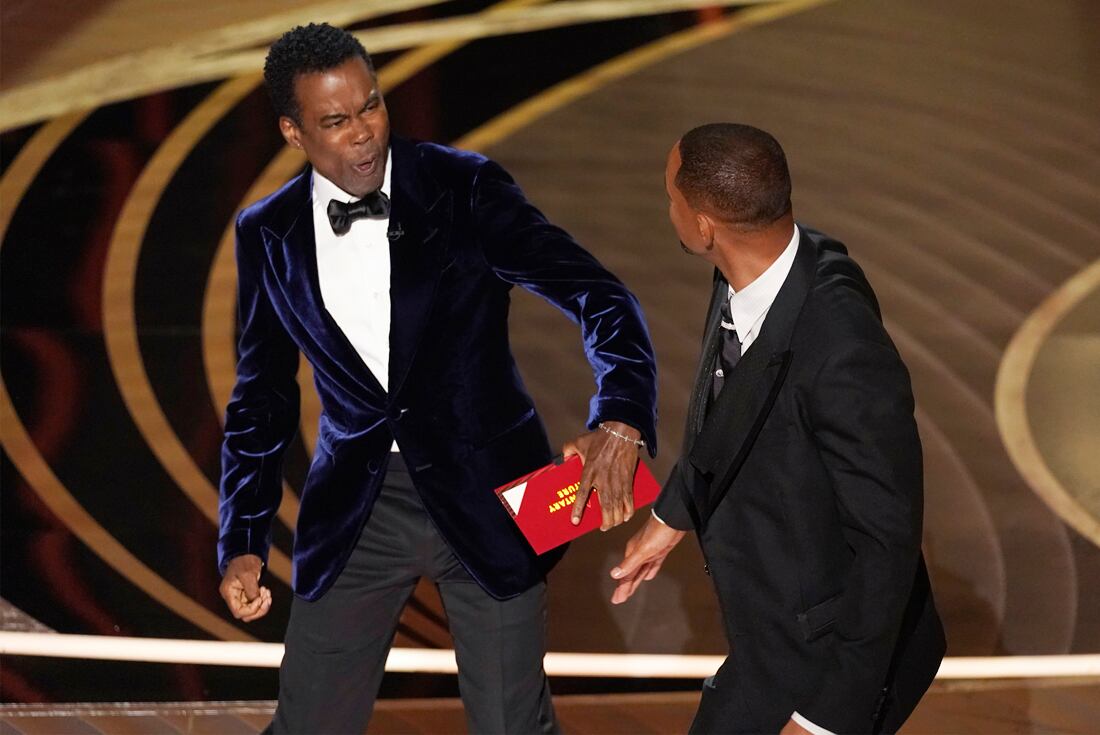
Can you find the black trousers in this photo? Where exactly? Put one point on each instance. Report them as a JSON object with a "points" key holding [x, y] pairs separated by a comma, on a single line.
{"points": [[336, 647]]}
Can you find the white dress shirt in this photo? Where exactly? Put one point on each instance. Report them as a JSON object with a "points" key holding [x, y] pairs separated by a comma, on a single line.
{"points": [[354, 274], [749, 308], [750, 305]]}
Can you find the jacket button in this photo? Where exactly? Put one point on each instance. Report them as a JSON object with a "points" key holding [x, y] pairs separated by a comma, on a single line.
{"points": [[372, 466]]}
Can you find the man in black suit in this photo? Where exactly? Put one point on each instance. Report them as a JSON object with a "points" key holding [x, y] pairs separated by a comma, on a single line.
{"points": [[801, 466], [403, 312]]}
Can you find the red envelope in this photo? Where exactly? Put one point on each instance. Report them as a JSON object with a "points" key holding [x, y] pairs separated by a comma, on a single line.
{"points": [[542, 502]]}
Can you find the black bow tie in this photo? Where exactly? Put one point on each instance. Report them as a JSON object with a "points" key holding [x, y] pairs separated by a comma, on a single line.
{"points": [[340, 215]]}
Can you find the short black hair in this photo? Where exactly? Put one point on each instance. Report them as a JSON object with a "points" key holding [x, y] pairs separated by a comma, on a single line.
{"points": [[302, 50], [735, 172]]}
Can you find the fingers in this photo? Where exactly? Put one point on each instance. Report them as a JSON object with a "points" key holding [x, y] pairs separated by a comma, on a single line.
{"points": [[259, 607], [616, 492], [232, 591], [582, 499], [579, 448], [613, 497], [612, 503], [241, 590], [642, 576], [585, 489], [608, 468], [627, 587], [630, 564], [608, 488], [622, 592], [243, 607], [251, 583]]}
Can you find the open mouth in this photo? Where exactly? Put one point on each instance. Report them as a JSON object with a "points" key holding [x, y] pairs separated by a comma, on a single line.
{"points": [[368, 166]]}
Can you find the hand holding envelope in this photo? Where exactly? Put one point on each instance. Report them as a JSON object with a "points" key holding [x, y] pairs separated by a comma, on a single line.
{"points": [[609, 456], [542, 502]]}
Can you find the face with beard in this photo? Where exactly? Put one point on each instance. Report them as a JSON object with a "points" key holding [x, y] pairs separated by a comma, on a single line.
{"points": [[685, 220]]}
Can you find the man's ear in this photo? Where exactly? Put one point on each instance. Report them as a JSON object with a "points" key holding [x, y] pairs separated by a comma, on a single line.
{"points": [[706, 228], [291, 133]]}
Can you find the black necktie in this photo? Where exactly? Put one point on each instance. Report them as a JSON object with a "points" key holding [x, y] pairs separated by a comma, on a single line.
{"points": [[341, 215], [729, 353]]}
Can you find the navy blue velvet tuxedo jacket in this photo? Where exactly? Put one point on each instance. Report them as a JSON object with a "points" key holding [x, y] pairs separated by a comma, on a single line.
{"points": [[461, 235]]}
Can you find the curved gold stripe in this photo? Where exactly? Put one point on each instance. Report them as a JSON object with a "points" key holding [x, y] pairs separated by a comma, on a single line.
{"points": [[29, 461], [62, 504], [189, 60], [119, 321], [34, 154], [1010, 401], [219, 353], [566, 92], [176, 65]]}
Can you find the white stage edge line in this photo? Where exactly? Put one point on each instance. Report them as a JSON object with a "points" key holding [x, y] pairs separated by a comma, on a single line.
{"points": [[442, 661]]}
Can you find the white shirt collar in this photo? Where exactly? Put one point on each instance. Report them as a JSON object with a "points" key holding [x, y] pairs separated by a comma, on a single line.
{"points": [[324, 190], [750, 305]]}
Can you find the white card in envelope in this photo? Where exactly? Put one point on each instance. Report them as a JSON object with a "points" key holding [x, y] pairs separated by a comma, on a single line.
{"points": [[514, 496]]}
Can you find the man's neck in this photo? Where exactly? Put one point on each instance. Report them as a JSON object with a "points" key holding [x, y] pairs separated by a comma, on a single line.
{"points": [[743, 256]]}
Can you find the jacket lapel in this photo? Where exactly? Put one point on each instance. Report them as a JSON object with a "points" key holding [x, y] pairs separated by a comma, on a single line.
{"points": [[292, 251], [711, 338], [749, 392], [698, 400], [420, 226]]}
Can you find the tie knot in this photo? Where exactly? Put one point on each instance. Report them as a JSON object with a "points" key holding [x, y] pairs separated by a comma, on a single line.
{"points": [[341, 215]]}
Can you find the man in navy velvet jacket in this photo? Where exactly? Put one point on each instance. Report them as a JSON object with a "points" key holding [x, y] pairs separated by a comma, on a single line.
{"points": [[388, 264]]}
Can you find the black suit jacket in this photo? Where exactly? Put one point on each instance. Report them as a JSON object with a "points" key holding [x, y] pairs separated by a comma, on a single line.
{"points": [[804, 482]]}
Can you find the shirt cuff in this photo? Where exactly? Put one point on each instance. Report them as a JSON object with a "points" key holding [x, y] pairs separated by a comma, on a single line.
{"points": [[659, 519], [815, 729]]}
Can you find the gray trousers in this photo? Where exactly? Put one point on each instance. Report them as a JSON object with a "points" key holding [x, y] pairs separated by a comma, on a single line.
{"points": [[336, 647]]}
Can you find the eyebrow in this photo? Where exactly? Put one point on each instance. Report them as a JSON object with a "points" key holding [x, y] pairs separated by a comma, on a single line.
{"points": [[334, 116]]}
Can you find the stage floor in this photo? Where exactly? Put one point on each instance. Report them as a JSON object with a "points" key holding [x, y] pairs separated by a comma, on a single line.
{"points": [[960, 707]]}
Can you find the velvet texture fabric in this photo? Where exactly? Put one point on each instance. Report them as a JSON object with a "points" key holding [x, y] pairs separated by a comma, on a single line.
{"points": [[461, 235]]}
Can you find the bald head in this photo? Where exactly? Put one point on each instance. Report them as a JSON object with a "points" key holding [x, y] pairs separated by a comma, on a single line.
{"points": [[736, 173]]}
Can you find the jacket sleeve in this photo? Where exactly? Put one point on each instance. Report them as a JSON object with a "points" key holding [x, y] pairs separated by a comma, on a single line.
{"points": [[861, 410], [524, 249], [671, 505], [262, 415]]}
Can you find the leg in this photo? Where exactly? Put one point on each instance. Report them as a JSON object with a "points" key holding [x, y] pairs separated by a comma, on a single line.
{"points": [[335, 656], [336, 647], [499, 645], [722, 708]]}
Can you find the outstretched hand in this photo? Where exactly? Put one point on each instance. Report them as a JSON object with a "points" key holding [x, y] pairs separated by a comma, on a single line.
{"points": [[609, 464], [646, 551]]}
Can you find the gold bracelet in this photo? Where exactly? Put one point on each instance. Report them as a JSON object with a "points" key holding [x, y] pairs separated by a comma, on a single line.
{"points": [[636, 442]]}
